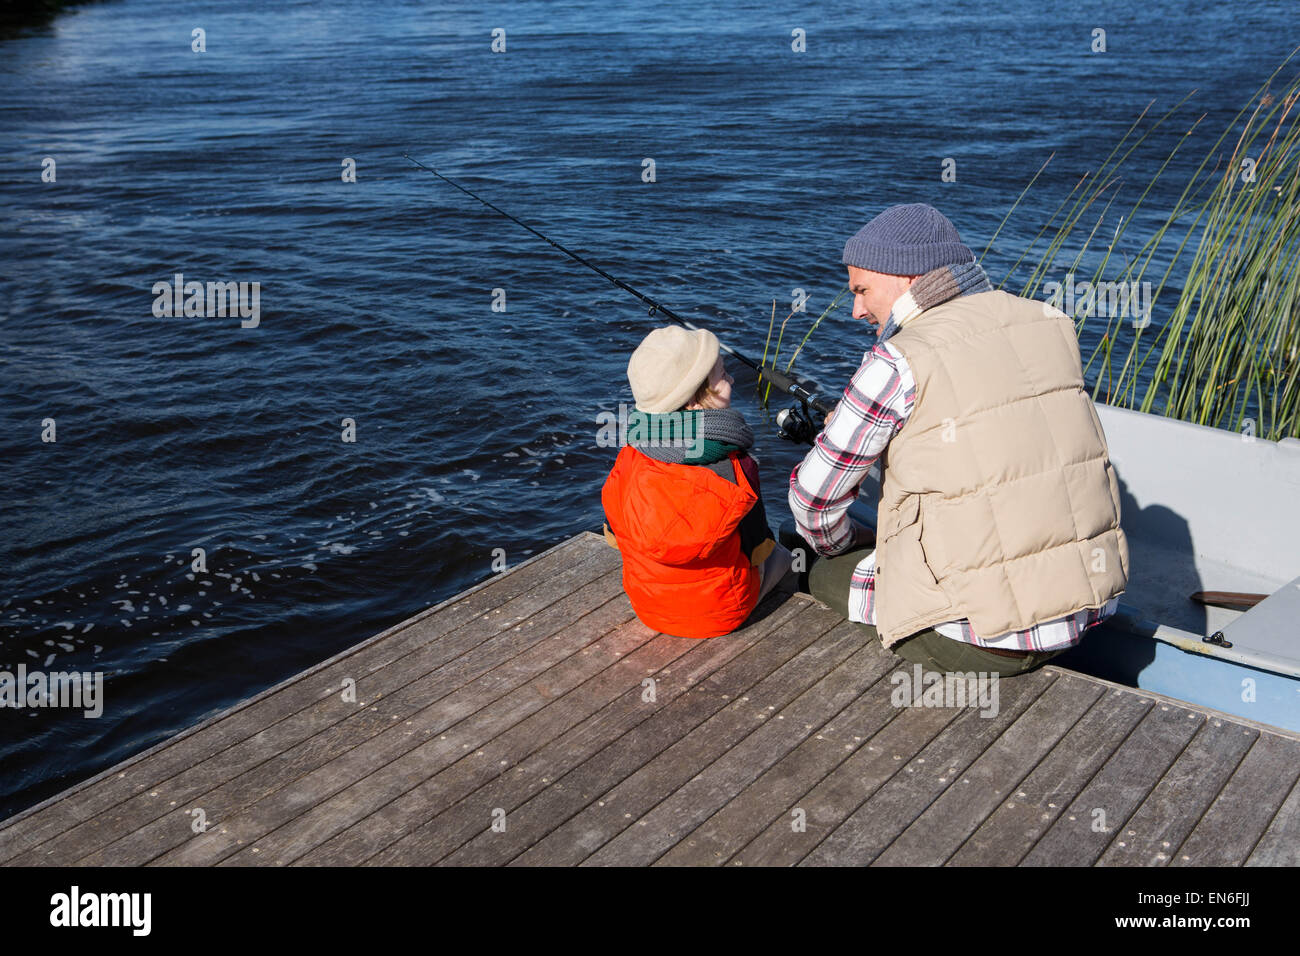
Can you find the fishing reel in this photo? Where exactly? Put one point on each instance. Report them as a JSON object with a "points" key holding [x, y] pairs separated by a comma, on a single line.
{"points": [[796, 424]]}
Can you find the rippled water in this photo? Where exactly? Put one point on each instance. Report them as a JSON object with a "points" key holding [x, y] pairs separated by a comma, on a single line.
{"points": [[475, 429]]}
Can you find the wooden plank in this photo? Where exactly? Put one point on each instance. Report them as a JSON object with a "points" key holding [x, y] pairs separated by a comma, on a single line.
{"points": [[87, 800], [773, 795], [525, 694], [1168, 814], [623, 679], [947, 823], [1007, 835], [444, 833], [618, 807], [799, 622], [869, 830], [827, 804], [156, 821], [659, 830], [288, 822], [1280, 844], [1208, 712], [1081, 834], [396, 717], [1228, 832]]}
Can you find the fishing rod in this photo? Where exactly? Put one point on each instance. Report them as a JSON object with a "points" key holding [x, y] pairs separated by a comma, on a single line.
{"points": [[795, 423]]}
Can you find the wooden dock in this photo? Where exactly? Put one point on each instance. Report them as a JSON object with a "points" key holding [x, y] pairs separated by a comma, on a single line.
{"points": [[518, 723]]}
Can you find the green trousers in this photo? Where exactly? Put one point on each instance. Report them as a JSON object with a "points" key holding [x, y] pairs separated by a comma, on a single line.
{"points": [[828, 580]]}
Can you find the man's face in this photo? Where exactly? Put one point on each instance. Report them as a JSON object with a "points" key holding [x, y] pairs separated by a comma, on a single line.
{"points": [[874, 293]]}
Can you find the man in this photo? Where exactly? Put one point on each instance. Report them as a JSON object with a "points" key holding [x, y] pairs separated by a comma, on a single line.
{"points": [[998, 540]]}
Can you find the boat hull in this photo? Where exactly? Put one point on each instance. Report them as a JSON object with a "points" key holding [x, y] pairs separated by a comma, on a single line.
{"points": [[1150, 664]]}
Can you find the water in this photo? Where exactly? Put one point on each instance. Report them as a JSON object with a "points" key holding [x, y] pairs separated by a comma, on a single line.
{"points": [[475, 429]]}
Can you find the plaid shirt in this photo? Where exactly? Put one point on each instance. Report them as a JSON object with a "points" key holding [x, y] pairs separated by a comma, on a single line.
{"points": [[876, 405]]}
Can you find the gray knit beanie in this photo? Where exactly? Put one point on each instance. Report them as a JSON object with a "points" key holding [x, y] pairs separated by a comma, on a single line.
{"points": [[907, 240]]}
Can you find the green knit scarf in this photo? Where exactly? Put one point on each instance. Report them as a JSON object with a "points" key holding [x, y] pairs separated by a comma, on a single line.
{"points": [[699, 436]]}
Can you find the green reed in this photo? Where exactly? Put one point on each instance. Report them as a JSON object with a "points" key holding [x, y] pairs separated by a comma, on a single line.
{"points": [[767, 388], [1224, 352], [1221, 349]]}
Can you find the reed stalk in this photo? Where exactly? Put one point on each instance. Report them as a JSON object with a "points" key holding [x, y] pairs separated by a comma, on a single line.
{"points": [[1223, 351], [1220, 345], [776, 353]]}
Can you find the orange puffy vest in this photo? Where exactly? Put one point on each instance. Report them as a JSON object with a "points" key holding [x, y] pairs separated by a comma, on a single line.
{"points": [[683, 568]]}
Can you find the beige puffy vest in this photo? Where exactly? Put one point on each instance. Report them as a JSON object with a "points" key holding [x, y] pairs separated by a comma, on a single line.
{"points": [[998, 501]]}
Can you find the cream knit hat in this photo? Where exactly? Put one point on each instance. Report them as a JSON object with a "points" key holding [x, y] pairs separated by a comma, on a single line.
{"points": [[669, 365]]}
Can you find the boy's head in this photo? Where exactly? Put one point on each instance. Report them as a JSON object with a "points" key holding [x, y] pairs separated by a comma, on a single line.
{"points": [[676, 368]]}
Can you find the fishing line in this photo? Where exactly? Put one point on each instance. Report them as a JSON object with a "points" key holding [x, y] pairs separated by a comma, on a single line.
{"points": [[795, 422]]}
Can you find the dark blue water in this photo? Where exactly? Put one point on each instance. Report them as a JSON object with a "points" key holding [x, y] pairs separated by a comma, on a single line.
{"points": [[475, 429]]}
